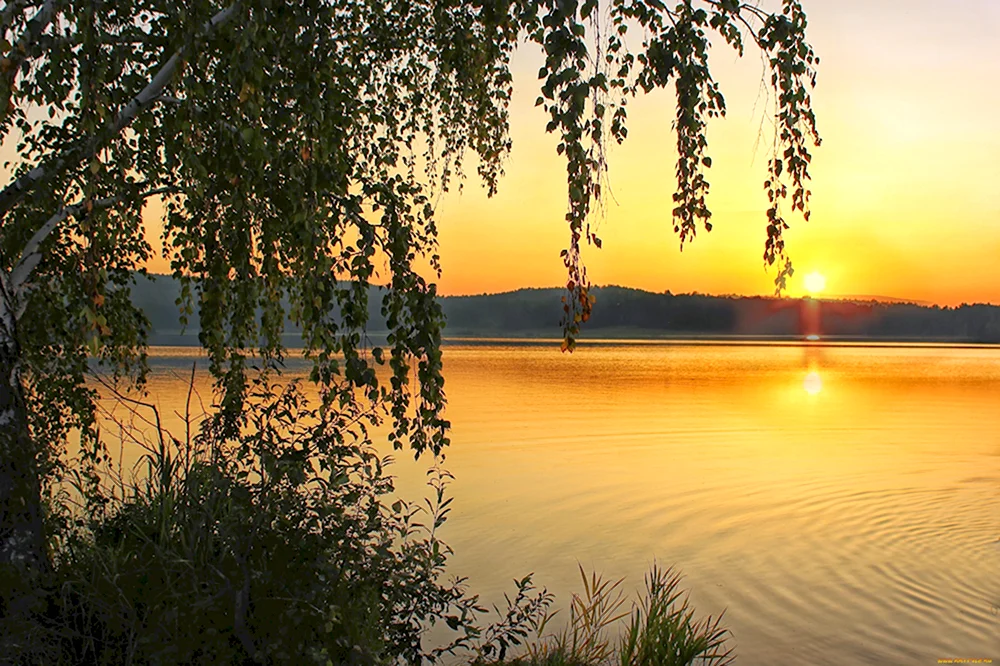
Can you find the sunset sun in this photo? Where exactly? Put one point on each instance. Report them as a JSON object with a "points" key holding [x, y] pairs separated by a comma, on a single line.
{"points": [[815, 282]]}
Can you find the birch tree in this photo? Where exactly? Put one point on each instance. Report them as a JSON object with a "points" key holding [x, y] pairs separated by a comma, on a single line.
{"points": [[297, 149]]}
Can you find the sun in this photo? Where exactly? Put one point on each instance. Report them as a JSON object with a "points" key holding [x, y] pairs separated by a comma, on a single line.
{"points": [[815, 282]]}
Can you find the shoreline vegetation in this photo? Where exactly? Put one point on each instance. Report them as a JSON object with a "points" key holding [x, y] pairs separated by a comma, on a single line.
{"points": [[632, 314], [285, 542]]}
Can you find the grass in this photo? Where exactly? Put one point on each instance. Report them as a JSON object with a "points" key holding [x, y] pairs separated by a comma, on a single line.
{"points": [[660, 629], [276, 544]]}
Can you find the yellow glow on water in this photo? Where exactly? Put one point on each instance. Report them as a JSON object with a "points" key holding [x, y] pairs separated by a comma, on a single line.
{"points": [[813, 383], [623, 453]]}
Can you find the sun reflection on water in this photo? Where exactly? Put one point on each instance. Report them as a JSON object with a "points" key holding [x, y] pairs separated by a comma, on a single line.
{"points": [[813, 383]]}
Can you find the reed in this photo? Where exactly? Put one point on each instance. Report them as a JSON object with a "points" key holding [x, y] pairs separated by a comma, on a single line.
{"points": [[661, 628]]}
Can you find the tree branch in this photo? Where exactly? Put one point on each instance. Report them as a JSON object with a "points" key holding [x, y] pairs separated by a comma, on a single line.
{"points": [[31, 255], [12, 64], [197, 108], [132, 404], [10, 9], [87, 149]]}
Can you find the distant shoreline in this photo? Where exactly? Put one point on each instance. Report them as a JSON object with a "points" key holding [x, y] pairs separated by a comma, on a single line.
{"points": [[637, 315], [619, 337]]}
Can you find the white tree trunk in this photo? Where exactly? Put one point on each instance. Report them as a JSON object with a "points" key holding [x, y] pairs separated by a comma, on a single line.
{"points": [[22, 541], [12, 193]]}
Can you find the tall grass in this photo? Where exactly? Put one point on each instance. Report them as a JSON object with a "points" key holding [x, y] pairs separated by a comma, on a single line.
{"points": [[282, 543], [661, 629], [276, 543]]}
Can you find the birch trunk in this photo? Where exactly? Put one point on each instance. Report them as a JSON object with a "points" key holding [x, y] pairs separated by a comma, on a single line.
{"points": [[22, 540]]}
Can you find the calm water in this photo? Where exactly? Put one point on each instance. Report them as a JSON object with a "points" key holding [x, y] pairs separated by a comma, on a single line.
{"points": [[840, 503]]}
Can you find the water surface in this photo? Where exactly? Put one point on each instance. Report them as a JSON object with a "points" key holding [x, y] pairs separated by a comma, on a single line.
{"points": [[839, 503]]}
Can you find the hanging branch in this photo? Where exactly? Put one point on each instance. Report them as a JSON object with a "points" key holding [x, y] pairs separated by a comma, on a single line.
{"points": [[86, 149], [13, 62], [32, 255]]}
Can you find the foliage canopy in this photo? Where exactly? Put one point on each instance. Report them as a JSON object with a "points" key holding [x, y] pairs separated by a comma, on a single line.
{"points": [[297, 149], [309, 139]]}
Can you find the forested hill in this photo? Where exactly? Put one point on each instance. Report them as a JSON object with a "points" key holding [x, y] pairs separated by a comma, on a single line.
{"points": [[622, 312]]}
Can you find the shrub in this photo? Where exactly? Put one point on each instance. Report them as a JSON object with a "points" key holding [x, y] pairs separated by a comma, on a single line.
{"points": [[277, 543]]}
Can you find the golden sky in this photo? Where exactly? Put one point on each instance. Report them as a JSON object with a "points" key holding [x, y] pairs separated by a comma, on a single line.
{"points": [[906, 186]]}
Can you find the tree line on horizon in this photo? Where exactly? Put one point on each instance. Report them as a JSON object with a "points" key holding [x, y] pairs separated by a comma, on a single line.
{"points": [[533, 312]]}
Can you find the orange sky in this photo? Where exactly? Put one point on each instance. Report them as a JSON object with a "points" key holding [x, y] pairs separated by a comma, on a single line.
{"points": [[906, 186]]}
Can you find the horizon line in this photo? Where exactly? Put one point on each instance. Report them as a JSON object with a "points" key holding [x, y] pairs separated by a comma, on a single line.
{"points": [[863, 298]]}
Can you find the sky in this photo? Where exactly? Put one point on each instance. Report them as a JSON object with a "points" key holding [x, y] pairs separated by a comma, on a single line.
{"points": [[906, 185]]}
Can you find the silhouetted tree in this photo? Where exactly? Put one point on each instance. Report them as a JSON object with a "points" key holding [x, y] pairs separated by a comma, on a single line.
{"points": [[308, 138]]}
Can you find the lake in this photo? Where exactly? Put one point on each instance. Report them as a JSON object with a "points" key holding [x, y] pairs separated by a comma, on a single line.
{"points": [[840, 503]]}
